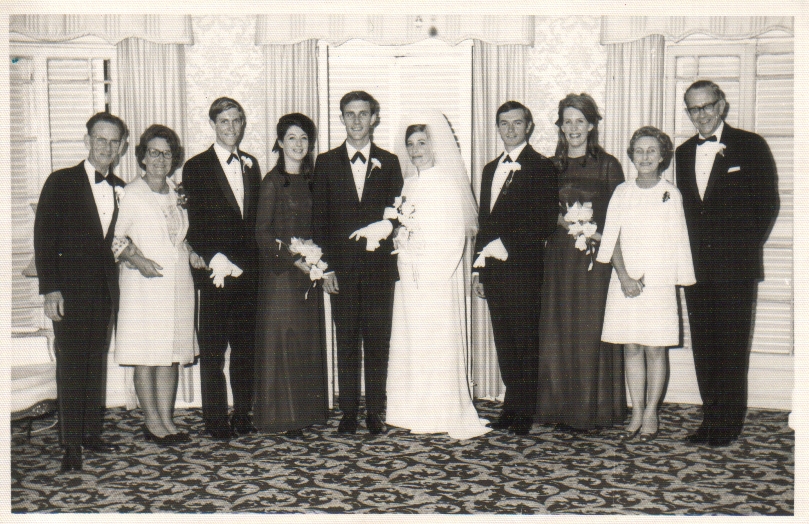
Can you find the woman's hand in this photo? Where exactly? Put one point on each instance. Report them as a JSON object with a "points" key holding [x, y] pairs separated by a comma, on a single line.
{"points": [[631, 287], [303, 266], [196, 261], [147, 267]]}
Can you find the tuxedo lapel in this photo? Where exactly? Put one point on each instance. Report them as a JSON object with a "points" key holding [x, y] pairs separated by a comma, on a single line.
{"points": [[222, 180], [246, 184], [720, 166], [486, 188], [348, 173], [89, 202]]}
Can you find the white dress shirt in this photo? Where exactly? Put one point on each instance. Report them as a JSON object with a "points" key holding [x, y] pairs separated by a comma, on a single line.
{"points": [[359, 168], [703, 162], [502, 171], [104, 196], [233, 172]]}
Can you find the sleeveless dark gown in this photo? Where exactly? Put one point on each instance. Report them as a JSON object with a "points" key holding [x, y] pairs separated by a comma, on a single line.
{"points": [[581, 379], [290, 362]]}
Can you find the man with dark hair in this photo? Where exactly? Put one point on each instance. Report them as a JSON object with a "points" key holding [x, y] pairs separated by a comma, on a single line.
{"points": [[519, 205], [73, 232], [353, 184], [222, 185], [730, 197]]}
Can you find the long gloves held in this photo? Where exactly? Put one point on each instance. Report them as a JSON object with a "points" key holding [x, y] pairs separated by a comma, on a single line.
{"points": [[373, 234], [494, 249], [221, 267]]}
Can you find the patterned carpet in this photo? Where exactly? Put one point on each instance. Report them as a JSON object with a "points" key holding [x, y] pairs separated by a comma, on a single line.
{"points": [[545, 472]]}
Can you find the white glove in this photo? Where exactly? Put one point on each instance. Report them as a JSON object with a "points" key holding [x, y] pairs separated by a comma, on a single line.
{"points": [[390, 214], [373, 234], [221, 267], [494, 249]]}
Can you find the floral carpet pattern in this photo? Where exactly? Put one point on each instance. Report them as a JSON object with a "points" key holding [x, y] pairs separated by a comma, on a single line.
{"points": [[545, 472]]}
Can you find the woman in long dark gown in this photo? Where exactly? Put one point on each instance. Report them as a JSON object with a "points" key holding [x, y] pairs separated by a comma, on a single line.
{"points": [[291, 391], [581, 379]]}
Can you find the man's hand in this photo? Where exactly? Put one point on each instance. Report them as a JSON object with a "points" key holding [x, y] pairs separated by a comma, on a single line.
{"points": [[494, 249], [330, 285], [147, 267], [54, 306], [221, 267], [477, 286], [373, 234]]}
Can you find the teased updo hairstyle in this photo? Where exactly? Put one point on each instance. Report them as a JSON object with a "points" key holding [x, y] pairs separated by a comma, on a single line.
{"points": [[415, 128], [589, 109], [308, 127], [167, 134], [666, 146]]}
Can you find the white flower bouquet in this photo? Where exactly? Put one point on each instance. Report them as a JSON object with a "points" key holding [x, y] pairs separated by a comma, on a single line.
{"points": [[581, 226], [404, 212], [311, 254]]}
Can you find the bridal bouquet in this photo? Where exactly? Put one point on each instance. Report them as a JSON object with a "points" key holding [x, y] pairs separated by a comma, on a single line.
{"points": [[311, 254], [403, 212], [581, 226]]}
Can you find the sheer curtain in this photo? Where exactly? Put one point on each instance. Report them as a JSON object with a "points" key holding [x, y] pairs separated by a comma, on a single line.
{"points": [[498, 75]]}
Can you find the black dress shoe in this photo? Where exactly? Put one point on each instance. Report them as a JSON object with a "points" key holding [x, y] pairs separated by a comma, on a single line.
{"points": [[242, 425], [348, 424], [71, 461], [700, 436], [504, 422], [521, 426], [222, 432], [294, 433], [721, 442], [97, 445], [375, 424], [148, 436], [181, 437]]}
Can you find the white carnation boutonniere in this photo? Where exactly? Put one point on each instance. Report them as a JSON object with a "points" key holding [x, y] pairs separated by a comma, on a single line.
{"points": [[581, 227], [246, 162], [119, 194], [721, 150], [375, 164]]}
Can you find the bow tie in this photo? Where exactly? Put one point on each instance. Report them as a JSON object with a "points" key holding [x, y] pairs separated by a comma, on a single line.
{"points": [[232, 157], [101, 178], [701, 141], [356, 156], [507, 160]]}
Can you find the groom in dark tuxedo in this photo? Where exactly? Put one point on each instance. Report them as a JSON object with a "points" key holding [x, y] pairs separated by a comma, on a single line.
{"points": [[222, 185], [353, 184], [73, 231], [518, 210], [729, 185]]}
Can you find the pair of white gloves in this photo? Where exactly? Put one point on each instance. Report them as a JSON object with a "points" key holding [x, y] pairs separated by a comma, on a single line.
{"points": [[494, 249], [221, 267]]}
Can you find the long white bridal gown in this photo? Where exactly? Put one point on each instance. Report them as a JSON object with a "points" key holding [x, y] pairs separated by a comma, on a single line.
{"points": [[427, 387]]}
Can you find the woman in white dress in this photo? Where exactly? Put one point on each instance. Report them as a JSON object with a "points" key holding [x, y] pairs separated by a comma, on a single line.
{"points": [[646, 217], [155, 330], [428, 385]]}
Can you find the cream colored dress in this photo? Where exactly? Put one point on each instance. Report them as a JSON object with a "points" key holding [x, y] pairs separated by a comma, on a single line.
{"points": [[654, 243], [156, 315]]}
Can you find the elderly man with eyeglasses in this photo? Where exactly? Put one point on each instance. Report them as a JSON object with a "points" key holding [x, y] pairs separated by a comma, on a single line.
{"points": [[78, 277], [729, 185]]}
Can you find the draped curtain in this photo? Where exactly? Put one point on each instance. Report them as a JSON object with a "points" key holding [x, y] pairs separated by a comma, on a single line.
{"points": [[498, 75]]}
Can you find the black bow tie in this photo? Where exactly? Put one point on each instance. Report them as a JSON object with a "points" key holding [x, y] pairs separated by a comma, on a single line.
{"points": [[101, 178], [356, 156], [701, 141], [232, 157], [507, 160]]}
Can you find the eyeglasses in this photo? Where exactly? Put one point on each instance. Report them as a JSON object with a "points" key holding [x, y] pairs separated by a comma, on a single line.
{"points": [[708, 108], [102, 143], [154, 153]]}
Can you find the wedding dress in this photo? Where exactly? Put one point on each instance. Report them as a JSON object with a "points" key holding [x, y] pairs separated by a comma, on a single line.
{"points": [[428, 386]]}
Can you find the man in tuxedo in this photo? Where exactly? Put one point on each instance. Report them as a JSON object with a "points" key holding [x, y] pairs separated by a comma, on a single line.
{"points": [[519, 205], [730, 196], [353, 184], [73, 231], [222, 185]]}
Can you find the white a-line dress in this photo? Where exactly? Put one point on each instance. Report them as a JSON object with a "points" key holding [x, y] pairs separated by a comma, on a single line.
{"points": [[428, 388], [654, 243]]}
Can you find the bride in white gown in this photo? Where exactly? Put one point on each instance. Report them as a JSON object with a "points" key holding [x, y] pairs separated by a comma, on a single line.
{"points": [[428, 388]]}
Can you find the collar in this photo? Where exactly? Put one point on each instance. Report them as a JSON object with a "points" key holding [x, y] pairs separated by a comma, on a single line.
{"points": [[91, 172], [223, 154], [366, 151], [514, 154], [717, 132]]}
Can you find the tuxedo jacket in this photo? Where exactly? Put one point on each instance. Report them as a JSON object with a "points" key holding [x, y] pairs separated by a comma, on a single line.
{"points": [[72, 254], [522, 218], [215, 221], [337, 212], [727, 228]]}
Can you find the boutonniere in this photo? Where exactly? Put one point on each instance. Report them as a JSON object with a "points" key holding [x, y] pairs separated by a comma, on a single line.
{"points": [[666, 196], [119, 194], [721, 150], [246, 161], [515, 166], [375, 164], [182, 197]]}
